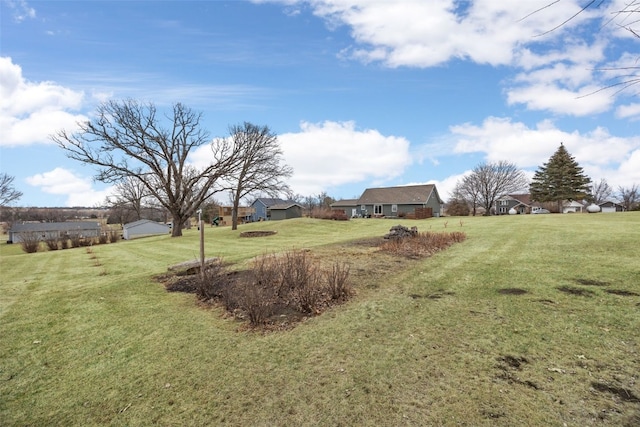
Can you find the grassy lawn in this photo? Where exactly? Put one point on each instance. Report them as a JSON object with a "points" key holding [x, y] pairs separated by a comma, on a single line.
{"points": [[533, 320]]}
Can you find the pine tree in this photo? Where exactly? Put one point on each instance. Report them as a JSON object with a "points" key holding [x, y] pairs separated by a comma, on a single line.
{"points": [[561, 178]]}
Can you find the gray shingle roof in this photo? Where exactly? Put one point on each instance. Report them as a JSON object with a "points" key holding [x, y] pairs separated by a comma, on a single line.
{"points": [[405, 195], [55, 226]]}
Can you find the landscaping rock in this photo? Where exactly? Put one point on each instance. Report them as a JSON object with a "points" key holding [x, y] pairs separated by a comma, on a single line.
{"points": [[400, 232]]}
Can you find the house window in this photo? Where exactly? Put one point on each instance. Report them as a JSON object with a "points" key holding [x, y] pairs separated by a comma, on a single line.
{"points": [[363, 208], [394, 208], [377, 209], [504, 202]]}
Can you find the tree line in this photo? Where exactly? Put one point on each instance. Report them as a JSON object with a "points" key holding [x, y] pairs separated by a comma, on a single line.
{"points": [[558, 180]]}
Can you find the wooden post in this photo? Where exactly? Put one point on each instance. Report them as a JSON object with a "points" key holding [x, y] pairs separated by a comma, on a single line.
{"points": [[202, 248]]}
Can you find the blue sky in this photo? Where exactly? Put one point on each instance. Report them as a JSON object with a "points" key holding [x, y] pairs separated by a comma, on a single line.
{"points": [[361, 93]]}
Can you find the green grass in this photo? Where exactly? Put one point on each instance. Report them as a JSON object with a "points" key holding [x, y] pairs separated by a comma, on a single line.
{"points": [[88, 338]]}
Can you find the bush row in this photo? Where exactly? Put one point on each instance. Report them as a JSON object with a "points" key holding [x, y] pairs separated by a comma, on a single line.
{"points": [[33, 242], [292, 281], [423, 244]]}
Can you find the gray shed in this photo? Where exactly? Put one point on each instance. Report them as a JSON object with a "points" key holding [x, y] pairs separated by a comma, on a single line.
{"points": [[144, 228]]}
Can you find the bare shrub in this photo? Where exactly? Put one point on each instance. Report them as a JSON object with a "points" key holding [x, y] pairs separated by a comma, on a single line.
{"points": [[423, 244], [103, 238], [86, 241], [256, 301], [338, 281], [64, 242], [75, 240], [212, 282], [52, 244], [113, 236], [30, 241]]}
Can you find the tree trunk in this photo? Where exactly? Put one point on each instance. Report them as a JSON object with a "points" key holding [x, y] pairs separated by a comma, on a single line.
{"points": [[234, 214], [176, 229]]}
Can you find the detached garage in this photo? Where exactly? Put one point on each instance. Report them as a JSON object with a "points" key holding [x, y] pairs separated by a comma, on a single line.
{"points": [[611, 207], [144, 228]]}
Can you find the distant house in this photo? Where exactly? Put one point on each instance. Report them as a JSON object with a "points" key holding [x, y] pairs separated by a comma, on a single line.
{"points": [[611, 207], [225, 213], [54, 230], [144, 228], [263, 206], [285, 211], [411, 201], [573, 206], [521, 203]]}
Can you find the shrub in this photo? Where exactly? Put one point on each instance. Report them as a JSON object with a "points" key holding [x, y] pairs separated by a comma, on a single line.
{"points": [[113, 236], [103, 238], [256, 301], [64, 243], [213, 280], [30, 242], [338, 281], [75, 240], [52, 244], [423, 244]]}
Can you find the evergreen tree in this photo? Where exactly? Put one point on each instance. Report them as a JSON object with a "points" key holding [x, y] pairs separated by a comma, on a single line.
{"points": [[561, 178]]}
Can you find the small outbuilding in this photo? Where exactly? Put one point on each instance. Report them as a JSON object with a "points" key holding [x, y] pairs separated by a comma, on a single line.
{"points": [[285, 211], [608, 207], [144, 228]]}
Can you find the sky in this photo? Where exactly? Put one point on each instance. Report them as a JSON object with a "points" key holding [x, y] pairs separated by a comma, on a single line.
{"points": [[361, 93]]}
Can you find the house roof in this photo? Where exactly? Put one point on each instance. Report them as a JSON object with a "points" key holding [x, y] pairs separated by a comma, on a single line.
{"points": [[270, 202], [344, 203], [55, 226], [404, 195], [522, 199], [141, 222], [283, 206]]}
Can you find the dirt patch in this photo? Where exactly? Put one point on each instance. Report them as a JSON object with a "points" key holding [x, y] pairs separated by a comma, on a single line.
{"points": [[591, 282], [257, 233], [623, 394], [436, 295], [512, 291], [546, 301], [575, 291], [622, 293], [508, 364], [513, 361]]}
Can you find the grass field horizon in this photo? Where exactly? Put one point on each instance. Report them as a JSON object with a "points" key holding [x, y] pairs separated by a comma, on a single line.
{"points": [[532, 320]]}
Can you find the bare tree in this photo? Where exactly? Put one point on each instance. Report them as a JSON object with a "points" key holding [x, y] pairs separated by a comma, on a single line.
{"points": [[601, 191], [8, 193], [629, 196], [260, 169], [128, 140], [468, 189], [129, 194], [488, 181]]}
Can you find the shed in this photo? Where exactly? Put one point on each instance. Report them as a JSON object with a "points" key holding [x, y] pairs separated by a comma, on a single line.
{"points": [[54, 230], [144, 228], [285, 211]]}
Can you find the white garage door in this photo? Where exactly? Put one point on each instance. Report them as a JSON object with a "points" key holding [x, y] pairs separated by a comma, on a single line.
{"points": [[610, 209]]}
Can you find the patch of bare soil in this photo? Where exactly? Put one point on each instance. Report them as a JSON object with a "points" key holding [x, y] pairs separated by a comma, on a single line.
{"points": [[509, 366], [512, 291], [620, 393], [622, 293], [257, 233], [575, 291], [591, 282], [546, 301]]}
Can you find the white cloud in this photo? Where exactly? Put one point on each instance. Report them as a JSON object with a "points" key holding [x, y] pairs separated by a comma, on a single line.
{"points": [[417, 33], [601, 154], [20, 10], [30, 112], [330, 154], [628, 111], [78, 190]]}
